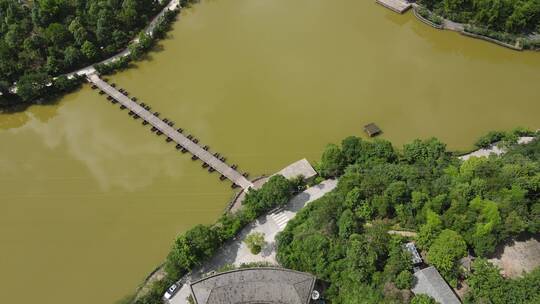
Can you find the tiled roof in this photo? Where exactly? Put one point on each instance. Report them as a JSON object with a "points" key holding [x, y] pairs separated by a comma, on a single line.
{"points": [[428, 281], [254, 285]]}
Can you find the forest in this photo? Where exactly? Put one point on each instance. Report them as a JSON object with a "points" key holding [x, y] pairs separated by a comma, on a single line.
{"points": [[511, 16], [45, 38], [457, 207]]}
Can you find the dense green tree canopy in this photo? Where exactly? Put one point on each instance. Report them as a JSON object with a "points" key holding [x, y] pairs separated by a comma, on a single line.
{"points": [[488, 286], [514, 16], [457, 207], [45, 36], [445, 253]]}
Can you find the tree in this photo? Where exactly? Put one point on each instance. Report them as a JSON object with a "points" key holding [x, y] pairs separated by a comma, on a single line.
{"points": [[255, 242], [57, 34], [32, 85], [399, 260], [129, 14], [429, 231], [78, 31], [333, 162], [53, 65], [485, 282], [404, 280], [534, 223], [62, 84], [89, 50], [361, 260], [484, 237], [427, 151], [423, 299], [445, 253], [104, 26], [276, 192], [347, 224], [353, 198], [352, 149], [191, 249], [72, 56], [486, 285]]}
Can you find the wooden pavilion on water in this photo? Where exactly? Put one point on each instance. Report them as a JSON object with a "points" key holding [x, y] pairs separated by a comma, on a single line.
{"points": [[372, 130]]}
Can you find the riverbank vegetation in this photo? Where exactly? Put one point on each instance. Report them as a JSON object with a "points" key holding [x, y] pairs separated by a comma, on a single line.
{"points": [[428, 15], [504, 138], [512, 22], [42, 39], [511, 16], [457, 207]]}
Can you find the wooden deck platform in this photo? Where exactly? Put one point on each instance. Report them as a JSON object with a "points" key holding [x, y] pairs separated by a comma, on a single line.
{"points": [[170, 132], [398, 6]]}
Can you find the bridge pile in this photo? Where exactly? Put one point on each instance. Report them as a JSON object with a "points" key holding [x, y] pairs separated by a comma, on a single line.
{"points": [[211, 161]]}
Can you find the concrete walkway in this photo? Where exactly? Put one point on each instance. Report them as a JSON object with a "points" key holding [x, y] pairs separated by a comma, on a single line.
{"points": [[494, 149], [236, 252]]}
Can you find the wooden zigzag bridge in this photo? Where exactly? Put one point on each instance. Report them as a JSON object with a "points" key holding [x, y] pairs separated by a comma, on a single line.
{"points": [[214, 162]]}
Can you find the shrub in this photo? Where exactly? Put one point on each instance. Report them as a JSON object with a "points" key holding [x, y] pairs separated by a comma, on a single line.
{"points": [[275, 192], [404, 280], [489, 139], [423, 299], [255, 242]]}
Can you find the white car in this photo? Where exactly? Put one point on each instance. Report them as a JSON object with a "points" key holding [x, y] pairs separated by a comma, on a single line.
{"points": [[171, 291]]}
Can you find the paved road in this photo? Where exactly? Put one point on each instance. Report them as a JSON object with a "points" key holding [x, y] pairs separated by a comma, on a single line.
{"points": [[236, 252]]}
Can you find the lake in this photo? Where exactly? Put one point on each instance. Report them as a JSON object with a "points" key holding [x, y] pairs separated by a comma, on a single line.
{"points": [[92, 200]]}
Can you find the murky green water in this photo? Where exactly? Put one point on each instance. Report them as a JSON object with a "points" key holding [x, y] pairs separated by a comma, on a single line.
{"points": [[91, 200]]}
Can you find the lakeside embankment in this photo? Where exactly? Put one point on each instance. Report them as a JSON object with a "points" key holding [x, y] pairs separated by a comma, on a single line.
{"points": [[438, 22], [422, 13]]}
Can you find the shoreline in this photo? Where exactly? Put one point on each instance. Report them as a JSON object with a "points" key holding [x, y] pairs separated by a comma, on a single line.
{"points": [[461, 28], [175, 5]]}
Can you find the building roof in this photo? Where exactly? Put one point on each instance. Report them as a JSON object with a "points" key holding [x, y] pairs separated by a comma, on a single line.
{"points": [[428, 281], [301, 167], [415, 256], [254, 285], [372, 129]]}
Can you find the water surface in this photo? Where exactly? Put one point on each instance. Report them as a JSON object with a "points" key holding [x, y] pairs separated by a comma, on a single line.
{"points": [[91, 200]]}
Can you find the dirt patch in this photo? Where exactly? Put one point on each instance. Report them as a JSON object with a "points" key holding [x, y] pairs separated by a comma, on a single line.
{"points": [[518, 256]]}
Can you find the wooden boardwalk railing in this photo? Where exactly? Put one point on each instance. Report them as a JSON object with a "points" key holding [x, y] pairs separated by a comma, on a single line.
{"points": [[198, 152]]}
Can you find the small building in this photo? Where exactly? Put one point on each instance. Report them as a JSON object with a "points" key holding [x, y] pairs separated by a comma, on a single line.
{"points": [[255, 285], [415, 256], [372, 130], [429, 281]]}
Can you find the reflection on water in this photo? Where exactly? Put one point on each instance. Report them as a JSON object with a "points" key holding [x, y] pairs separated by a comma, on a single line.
{"points": [[91, 198]]}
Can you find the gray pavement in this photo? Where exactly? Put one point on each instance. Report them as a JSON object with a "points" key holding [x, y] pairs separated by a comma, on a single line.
{"points": [[236, 252]]}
